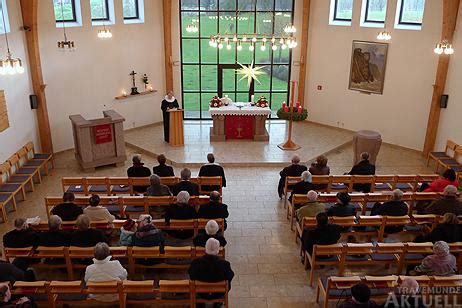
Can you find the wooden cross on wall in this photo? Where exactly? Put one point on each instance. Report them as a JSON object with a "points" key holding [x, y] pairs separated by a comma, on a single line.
{"points": [[134, 88]]}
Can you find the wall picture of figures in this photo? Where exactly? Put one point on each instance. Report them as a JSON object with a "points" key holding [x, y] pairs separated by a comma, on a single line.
{"points": [[368, 64]]}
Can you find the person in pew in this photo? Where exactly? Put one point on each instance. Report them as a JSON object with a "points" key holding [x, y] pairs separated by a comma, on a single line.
{"points": [[311, 208], [212, 169], [342, 208], [104, 269], [214, 209], [54, 237], [438, 185], [364, 167], [10, 272], [293, 170], [211, 268], [448, 203], [440, 263], [181, 211], [67, 210], [448, 231], [320, 167], [7, 300], [360, 298], [85, 236], [21, 237], [97, 212], [185, 184], [394, 207], [147, 235], [127, 231], [323, 234], [163, 170], [211, 231], [407, 295], [304, 186], [138, 170], [158, 190]]}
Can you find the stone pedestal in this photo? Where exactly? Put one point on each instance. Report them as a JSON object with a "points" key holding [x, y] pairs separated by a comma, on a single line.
{"points": [[366, 141], [217, 131]]}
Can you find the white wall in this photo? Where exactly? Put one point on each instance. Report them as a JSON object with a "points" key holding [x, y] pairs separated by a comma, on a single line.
{"points": [[17, 90], [401, 113], [87, 80]]}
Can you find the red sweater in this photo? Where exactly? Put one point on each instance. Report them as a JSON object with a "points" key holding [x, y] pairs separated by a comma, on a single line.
{"points": [[439, 185]]}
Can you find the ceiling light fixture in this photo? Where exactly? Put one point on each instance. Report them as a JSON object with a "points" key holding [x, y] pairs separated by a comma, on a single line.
{"points": [[384, 36], [65, 45], [10, 65], [444, 47], [104, 33]]}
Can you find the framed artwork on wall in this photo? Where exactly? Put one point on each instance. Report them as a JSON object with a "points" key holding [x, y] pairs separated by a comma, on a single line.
{"points": [[368, 65], [4, 124]]}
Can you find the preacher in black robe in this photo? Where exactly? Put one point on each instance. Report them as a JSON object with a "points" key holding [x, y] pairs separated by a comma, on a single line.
{"points": [[168, 103]]}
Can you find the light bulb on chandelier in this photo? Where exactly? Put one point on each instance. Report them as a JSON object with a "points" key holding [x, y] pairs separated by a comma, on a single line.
{"points": [[104, 33], [384, 36], [444, 47], [10, 65]]}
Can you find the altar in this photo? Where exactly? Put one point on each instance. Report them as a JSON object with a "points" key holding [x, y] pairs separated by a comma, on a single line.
{"points": [[239, 121]]}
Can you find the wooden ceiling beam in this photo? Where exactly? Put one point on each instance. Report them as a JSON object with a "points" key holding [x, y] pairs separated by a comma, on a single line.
{"points": [[303, 52], [450, 13], [168, 55], [29, 11]]}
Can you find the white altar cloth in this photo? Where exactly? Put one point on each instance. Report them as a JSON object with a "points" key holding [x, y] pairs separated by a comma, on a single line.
{"points": [[246, 110]]}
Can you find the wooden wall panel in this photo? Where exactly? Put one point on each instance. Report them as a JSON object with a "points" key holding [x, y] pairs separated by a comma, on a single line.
{"points": [[4, 123]]}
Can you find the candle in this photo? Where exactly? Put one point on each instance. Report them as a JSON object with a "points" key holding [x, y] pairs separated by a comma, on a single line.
{"points": [[124, 93], [251, 98], [150, 89], [299, 109], [298, 104], [284, 105]]}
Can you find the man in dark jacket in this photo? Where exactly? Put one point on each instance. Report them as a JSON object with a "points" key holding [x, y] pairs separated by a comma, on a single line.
{"points": [[67, 210], [21, 237], [182, 211], [364, 167], [395, 207], [211, 268], [85, 236], [138, 170], [304, 186], [293, 170], [342, 208], [323, 234], [360, 298], [162, 170], [214, 209], [186, 185], [54, 237], [448, 203], [212, 169]]}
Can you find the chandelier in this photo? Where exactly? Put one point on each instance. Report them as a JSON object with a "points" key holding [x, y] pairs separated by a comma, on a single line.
{"points": [[384, 36], [10, 65], [444, 47], [104, 33], [65, 45]]}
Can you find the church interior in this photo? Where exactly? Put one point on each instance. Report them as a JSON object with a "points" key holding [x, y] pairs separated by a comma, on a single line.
{"points": [[219, 153]]}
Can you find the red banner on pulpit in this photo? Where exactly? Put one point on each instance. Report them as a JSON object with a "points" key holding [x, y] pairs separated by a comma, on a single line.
{"points": [[239, 127], [103, 133]]}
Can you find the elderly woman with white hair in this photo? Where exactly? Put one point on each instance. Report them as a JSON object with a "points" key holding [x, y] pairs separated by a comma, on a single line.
{"points": [[295, 169], [311, 208], [304, 186], [211, 231], [54, 237], [181, 211], [211, 268], [104, 269], [440, 263], [448, 203]]}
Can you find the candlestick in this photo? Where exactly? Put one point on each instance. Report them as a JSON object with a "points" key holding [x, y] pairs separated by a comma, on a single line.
{"points": [[252, 98]]}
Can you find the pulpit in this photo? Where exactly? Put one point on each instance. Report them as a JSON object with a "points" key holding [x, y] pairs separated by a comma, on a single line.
{"points": [[99, 142], [176, 127]]}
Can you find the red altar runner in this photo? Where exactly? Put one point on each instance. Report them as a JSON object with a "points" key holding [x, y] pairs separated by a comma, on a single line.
{"points": [[239, 127]]}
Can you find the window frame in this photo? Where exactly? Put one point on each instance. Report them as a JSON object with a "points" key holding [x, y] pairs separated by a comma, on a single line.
{"points": [[406, 23], [108, 15], [334, 16], [366, 14], [74, 14], [7, 19], [137, 10]]}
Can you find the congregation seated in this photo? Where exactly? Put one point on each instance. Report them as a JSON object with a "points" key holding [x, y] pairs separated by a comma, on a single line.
{"points": [[211, 231], [147, 235], [96, 212], [185, 184], [440, 263], [214, 209], [85, 236], [342, 208], [54, 237], [448, 231], [67, 210], [320, 167], [395, 207], [7, 300], [448, 203], [407, 295], [138, 170], [364, 167], [360, 298], [323, 234], [311, 208], [181, 211], [211, 268], [304, 186], [438, 185], [295, 169], [212, 169], [21, 237], [104, 269], [127, 231], [163, 170], [11, 273], [157, 189]]}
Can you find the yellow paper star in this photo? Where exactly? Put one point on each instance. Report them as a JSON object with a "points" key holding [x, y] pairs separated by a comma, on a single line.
{"points": [[250, 72]]}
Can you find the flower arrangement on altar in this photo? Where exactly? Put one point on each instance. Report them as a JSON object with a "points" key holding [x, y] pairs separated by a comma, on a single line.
{"points": [[216, 102], [299, 113], [262, 102]]}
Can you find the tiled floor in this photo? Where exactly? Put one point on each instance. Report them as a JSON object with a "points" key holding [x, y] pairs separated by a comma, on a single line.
{"points": [[261, 248]]}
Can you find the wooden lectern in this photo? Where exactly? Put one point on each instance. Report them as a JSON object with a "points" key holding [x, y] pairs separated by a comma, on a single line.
{"points": [[99, 142], [176, 128]]}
